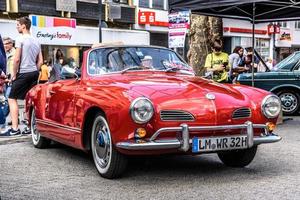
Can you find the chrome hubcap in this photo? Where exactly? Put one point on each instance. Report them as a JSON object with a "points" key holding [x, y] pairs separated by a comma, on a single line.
{"points": [[102, 144], [289, 102], [34, 132]]}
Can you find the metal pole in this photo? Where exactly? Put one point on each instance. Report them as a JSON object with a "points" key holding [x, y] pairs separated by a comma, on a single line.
{"points": [[253, 42], [100, 19]]}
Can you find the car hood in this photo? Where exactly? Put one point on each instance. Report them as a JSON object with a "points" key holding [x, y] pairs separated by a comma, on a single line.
{"points": [[185, 93]]}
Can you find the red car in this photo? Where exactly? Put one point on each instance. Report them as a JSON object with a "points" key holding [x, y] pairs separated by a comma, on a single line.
{"points": [[145, 100]]}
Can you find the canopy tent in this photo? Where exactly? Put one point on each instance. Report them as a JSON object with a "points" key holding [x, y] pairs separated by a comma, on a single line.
{"points": [[265, 10], [255, 11]]}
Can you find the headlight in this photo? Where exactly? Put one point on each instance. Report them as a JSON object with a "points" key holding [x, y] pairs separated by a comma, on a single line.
{"points": [[141, 110], [271, 106]]}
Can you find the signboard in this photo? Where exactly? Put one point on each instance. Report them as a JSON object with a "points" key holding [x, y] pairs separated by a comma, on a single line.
{"points": [[66, 5], [146, 17], [53, 30], [179, 23], [284, 39]]}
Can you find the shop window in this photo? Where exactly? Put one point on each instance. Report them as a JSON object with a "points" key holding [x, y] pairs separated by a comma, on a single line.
{"points": [[283, 24], [297, 25], [158, 4], [144, 3]]}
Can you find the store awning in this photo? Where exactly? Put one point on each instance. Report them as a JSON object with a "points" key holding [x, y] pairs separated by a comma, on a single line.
{"points": [[265, 10]]}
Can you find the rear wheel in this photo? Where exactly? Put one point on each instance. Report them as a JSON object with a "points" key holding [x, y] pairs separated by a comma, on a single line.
{"points": [[108, 161], [289, 101], [37, 140], [238, 158]]}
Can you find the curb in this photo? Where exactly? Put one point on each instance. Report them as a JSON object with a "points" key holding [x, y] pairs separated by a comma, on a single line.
{"points": [[15, 139]]}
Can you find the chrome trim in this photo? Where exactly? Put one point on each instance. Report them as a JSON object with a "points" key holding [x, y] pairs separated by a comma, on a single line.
{"points": [[240, 111], [184, 141], [263, 106], [179, 114], [131, 109], [56, 125]]}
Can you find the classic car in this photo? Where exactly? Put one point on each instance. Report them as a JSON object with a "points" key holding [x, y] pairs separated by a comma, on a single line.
{"points": [[283, 80], [145, 100]]}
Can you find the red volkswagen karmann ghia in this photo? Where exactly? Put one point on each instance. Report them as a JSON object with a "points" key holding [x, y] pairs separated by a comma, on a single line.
{"points": [[138, 100]]}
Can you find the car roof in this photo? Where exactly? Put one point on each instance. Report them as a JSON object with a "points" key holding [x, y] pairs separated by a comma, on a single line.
{"points": [[100, 46]]}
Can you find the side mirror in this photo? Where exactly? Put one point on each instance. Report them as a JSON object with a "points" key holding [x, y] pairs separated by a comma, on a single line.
{"points": [[68, 72]]}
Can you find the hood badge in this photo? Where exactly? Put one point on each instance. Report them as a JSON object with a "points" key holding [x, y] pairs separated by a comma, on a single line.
{"points": [[210, 96]]}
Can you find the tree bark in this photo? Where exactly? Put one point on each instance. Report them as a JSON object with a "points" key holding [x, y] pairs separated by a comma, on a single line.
{"points": [[202, 32]]}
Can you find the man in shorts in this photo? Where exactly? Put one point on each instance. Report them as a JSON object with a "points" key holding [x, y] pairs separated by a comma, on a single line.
{"points": [[27, 62]]}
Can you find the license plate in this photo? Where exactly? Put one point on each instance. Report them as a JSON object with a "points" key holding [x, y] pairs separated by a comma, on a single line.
{"points": [[219, 143]]}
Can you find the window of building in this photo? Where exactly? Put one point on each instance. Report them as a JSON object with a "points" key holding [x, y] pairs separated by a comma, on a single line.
{"points": [[158, 4], [283, 24], [144, 3], [121, 1], [297, 24]]}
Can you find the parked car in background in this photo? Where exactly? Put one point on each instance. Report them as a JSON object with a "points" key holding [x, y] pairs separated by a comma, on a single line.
{"points": [[283, 80], [145, 100]]}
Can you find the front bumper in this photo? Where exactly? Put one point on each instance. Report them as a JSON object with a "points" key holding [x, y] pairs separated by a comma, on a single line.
{"points": [[184, 143]]}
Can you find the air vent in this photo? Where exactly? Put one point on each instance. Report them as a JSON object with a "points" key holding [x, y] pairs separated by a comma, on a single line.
{"points": [[241, 113], [176, 115]]}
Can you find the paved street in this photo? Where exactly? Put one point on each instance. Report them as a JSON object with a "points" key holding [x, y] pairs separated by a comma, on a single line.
{"points": [[63, 173]]}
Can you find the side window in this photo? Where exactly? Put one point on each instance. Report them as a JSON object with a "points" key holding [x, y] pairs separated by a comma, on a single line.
{"points": [[92, 63]]}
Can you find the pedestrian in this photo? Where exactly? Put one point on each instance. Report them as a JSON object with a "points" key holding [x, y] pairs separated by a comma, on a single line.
{"points": [[27, 62], [234, 61], [10, 53], [2, 77], [246, 62], [44, 73], [55, 73], [216, 63], [269, 64]]}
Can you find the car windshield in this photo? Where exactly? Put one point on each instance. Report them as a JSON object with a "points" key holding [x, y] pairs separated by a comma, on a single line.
{"points": [[288, 63], [122, 59]]}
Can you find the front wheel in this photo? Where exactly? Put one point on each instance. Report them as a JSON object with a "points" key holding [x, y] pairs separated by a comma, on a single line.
{"points": [[238, 158], [108, 161], [37, 140], [289, 101]]}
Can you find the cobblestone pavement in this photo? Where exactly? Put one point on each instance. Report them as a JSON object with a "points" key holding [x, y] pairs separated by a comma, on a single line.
{"points": [[61, 172]]}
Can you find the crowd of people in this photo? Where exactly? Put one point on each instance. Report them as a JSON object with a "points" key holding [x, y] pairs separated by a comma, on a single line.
{"points": [[21, 67], [224, 68]]}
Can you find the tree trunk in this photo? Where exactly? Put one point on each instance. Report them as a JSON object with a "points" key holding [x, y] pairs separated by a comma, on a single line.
{"points": [[202, 32]]}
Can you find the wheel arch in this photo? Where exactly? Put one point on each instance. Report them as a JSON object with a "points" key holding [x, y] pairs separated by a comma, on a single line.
{"points": [[89, 117], [285, 87]]}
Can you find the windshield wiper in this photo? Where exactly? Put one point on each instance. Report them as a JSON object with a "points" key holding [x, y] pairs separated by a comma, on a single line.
{"points": [[132, 68]]}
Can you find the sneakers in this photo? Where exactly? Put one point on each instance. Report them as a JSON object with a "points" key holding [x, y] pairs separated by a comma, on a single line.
{"points": [[26, 131], [10, 132]]}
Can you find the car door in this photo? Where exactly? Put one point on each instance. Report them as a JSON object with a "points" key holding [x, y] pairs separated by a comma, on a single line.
{"points": [[59, 110]]}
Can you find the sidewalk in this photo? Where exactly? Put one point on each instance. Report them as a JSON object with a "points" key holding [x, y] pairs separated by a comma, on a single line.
{"points": [[18, 138]]}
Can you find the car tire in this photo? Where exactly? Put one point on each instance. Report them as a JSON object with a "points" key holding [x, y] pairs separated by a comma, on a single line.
{"points": [[37, 140], [290, 101], [108, 161], [238, 158]]}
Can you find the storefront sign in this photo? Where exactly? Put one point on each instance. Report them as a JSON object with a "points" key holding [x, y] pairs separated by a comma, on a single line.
{"points": [[273, 29], [146, 17], [284, 39], [66, 5], [179, 23], [53, 30]]}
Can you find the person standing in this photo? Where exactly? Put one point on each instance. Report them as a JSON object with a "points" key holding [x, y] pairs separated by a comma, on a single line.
{"points": [[216, 63], [25, 73], [2, 76], [44, 73], [234, 60], [10, 53]]}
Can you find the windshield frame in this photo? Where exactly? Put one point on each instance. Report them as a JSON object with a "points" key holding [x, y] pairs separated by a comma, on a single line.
{"points": [[131, 46]]}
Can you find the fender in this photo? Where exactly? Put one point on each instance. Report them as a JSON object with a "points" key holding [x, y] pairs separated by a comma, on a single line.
{"points": [[285, 85]]}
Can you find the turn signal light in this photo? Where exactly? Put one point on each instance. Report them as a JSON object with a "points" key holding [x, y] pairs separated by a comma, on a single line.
{"points": [[140, 133], [271, 126]]}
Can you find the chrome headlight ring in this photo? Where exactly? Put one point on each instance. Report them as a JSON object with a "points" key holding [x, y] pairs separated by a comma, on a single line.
{"points": [[271, 106], [141, 110]]}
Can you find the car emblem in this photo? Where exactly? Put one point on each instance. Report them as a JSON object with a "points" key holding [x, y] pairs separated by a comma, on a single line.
{"points": [[210, 96]]}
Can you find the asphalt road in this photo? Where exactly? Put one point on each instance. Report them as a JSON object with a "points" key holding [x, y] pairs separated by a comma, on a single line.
{"points": [[64, 173]]}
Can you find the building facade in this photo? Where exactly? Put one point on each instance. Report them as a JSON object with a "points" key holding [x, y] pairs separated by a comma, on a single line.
{"points": [[80, 29]]}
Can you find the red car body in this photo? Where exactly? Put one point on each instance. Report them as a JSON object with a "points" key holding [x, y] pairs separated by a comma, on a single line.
{"points": [[65, 109]]}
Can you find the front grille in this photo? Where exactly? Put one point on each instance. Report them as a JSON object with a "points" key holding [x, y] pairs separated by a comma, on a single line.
{"points": [[176, 115], [241, 113]]}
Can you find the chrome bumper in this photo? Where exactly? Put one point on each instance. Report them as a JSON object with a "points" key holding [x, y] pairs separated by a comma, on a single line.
{"points": [[184, 143]]}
